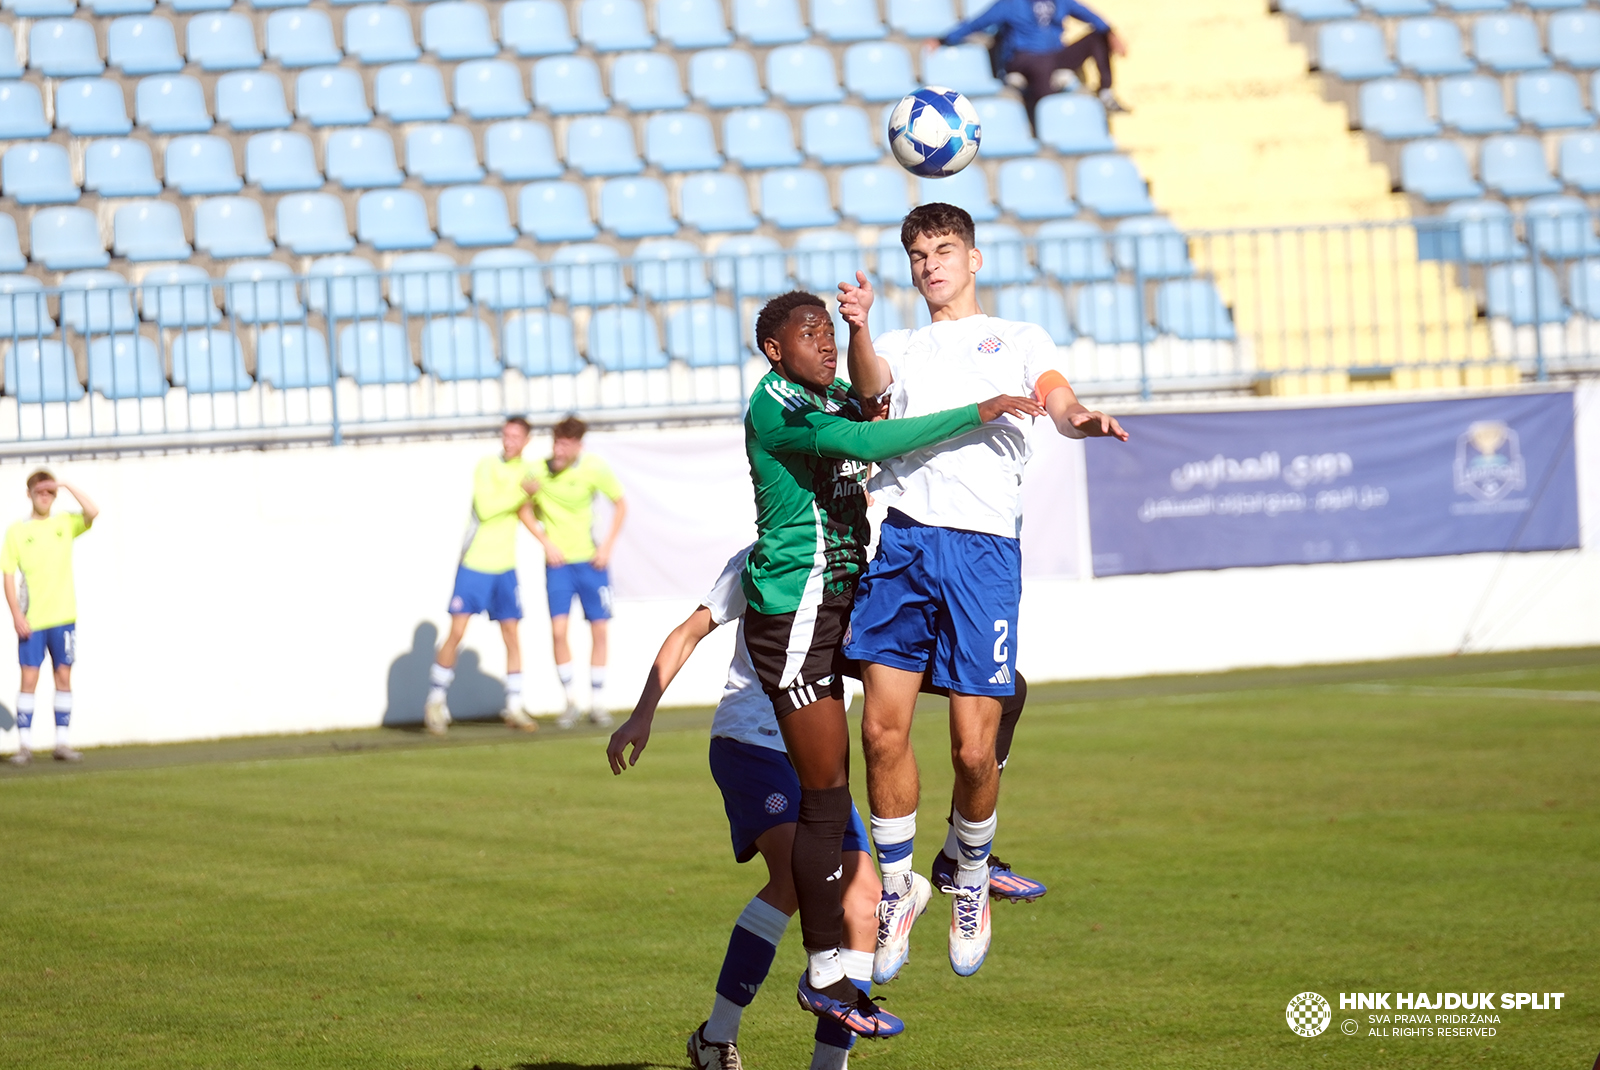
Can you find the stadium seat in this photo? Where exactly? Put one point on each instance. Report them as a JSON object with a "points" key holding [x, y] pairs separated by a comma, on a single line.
{"points": [[1524, 294], [725, 78], [1472, 7], [230, 227], [1072, 123], [426, 284], [1551, 101], [97, 302], [1038, 304], [67, 238], [625, 339], [1514, 166], [222, 42], [393, 219], [9, 67], [923, 18], [1005, 255], [331, 96], [1508, 43], [1074, 251], [62, 48], [200, 164], [251, 100], [878, 72], [968, 189], [796, 197], [411, 93], [490, 89], [22, 111], [587, 273], [536, 28], [716, 203], [345, 287], [177, 296], [1151, 247], [691, 24], [555, 212], [126, 366], [759, 137], [602, 145], [473, 216], [11, 258], [541, 343], [1580, 162], [1560, 227], [442, 152], [568, 85], [1109, 312], [846, 20], [1583, 283], [262, 291], [1396, 9], [209, 362], [1437, 171], [38, 371], [1035, 189], [839, 134], [1395, 108], [681, 141], [38, 173], [1005, 128], [874, 194], [1474, 104], [1575, 39], [171, 104], [508, 278], [667, 269], [636, 208], [647, 81], [24, 309], [120, 167], [964, 68], [281, 163], [91, 107], [458, 29], [769, 22], [803, 74], [1552, 5], [1486, 231], [1112, 186], [362, 159], [301, 38], [1354, 51], [518, 151], [40, 9], [613, 25], [293, 357], [379, 33], [1319, 10], [459, 347], [143, 44], [705, 335], [752, 265], [372, 352], [1192, 310], [149, 230]]}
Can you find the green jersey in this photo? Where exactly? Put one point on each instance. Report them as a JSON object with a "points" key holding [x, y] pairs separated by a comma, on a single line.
{"points": [[807, 461]]}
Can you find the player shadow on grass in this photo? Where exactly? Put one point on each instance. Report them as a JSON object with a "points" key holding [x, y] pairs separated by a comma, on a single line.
{"points": [[475, 695]]}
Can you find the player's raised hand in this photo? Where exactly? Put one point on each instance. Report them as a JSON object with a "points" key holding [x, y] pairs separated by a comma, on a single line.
{"points": [[1008, 405], [636, 731], [1097, 425], [856, 301]]}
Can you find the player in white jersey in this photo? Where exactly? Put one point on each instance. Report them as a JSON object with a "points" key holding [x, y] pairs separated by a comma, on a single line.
{"points": [[942, 592]]}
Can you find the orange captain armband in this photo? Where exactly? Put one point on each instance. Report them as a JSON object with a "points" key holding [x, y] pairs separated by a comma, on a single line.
{"points": [[1049, 381]]}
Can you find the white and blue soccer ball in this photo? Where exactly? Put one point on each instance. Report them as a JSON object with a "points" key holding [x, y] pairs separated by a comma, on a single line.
{"points": [[934, 132]]}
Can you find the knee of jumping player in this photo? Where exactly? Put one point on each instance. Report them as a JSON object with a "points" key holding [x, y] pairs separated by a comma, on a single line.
{"points": [[973, 759], [881, 739]]}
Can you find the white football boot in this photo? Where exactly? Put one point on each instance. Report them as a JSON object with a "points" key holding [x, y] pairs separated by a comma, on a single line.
{"points": [[569, 716], [516, 717], [704, 1055], [897, 913], [436, 717], [600, 717], [969, 925]]}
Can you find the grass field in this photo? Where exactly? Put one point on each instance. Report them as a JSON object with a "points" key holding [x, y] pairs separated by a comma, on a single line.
{"points": [[1214, 845]]}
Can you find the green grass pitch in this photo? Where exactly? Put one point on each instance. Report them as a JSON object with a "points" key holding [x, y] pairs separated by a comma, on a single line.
{"points": [[1214, 845]]}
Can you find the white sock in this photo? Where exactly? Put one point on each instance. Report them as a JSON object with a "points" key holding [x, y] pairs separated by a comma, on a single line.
{"points": [[892, 838], [952, 846], [722, 1025], [514, 689], [565, 675], [824, 967], [597, 684], [25, 737], [63, 705], [25, 702], [440, 678], [974, 838], [857, 964], [828, 1057], [61, 735]]}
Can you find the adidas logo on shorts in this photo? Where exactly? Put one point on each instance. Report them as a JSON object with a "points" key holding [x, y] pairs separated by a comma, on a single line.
{"points": [[1001, 677]]}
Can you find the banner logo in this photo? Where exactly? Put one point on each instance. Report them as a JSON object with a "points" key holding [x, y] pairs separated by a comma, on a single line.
{"points": [[1489, 462], [1309, 1014]]}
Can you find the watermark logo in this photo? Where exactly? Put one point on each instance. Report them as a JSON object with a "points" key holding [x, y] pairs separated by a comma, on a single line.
{"points": [[1308, 1014]]}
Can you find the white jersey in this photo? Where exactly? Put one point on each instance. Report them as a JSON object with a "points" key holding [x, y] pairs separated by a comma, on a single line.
{"points": [[745, 713], [973, 481]]}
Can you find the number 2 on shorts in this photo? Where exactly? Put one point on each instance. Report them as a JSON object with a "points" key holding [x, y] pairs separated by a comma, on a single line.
{"points": [[1001, 652]]}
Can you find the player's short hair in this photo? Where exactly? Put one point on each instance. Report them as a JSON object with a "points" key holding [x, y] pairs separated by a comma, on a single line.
{"points": [[570, 427], [520, 421], [775, 313], [38, 477], [935, 220]]}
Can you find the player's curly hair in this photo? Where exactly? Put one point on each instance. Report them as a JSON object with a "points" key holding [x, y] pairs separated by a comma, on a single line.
{"points": [[775, 312], [570, 427], [937, 219]]}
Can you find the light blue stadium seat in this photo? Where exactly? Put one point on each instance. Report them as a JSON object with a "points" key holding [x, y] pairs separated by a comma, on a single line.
{"points": [[252, 100], [1552, 5], [379, 33], [490, 89], [126, 366], [1551, 101], [555, 212], [1005, 127], [1005, 255], [393, 219], [1319, 10], [1151, 247], [200, 164], [691, 24], [472, 216], [293, 357], [40, 9], [1474, 104], [964, 68], [759, 137], [846, 20], [120, 167], [878, 72], [41, 370], [441, 153], [1486, 231], [1525, 295], [1575, 39], [725, 78], [184, 7], [171, 104], [613, 25], [459, 347], [222, 42], [968, 189], [143, 44], [1561, 228], [1112, 186], [668, 269], [1039, 304], [281, 163], [647, 81], [1071, 123], [923, 18], [625, 339], [67, 238], [519, 150], [1437, 171], [62, 48], [588, 273], [24, 309], [1514, 166], [769, 22], [536, 28], [1109, 313], [373, 352], [1472, 7], [362, 159], [602, 145], [411, 93], [22, 111], [345, 287], [97, 302], [230, 227], [262, 291], [874, 194], [803, 74], [1397, 9], [1192, 310], [681, 141], [38, 173], [1354, 51], [458, 29], [1580, 162], [568, 85], [11, 258], [301, 38], [91, 107], [716, 203], [1583, 284], [1508, 43], [426, 284], [9, 67], [1395, 108], [636, 208], [179, 295], [797, 197], [541, 343], [892, 264], [705, 335], [209, 362], [1035, 189], [508, 278], [331, 96], [146, 230], [1074, 251], [838, 134], [751, 265]]}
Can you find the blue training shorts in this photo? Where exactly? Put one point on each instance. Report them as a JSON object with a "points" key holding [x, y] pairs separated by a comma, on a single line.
{"points": [[589, 585], [760, 791], [494, 593], [941, 597], [61, 641]]}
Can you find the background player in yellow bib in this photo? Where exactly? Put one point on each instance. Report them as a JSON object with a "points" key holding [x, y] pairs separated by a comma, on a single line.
{"points": [[44, 608]]}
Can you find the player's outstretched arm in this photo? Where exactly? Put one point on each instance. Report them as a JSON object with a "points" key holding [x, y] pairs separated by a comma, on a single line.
{"points": [[602, 553], [90, 509], [1075, 420], [19, 620], [782, 430], [869, 373], [674, 654]]}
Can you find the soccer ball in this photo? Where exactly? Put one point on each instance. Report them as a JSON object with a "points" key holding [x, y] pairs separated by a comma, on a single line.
{"points": [[934, 132]]}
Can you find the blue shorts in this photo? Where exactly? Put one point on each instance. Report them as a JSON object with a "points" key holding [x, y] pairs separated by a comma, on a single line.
{"points": [[494, 593], [61, 641], [760, 791], [589, 585], [943, 598]]}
